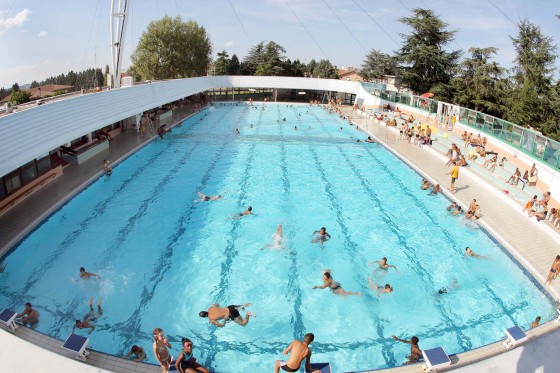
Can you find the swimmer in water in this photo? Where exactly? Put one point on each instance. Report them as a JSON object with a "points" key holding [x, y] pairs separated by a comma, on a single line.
{"points": [[447, 289], [89, 318], [206, 198], [322, 236], [380, 289], [85, 275], [383, 265], [278, 239], [471, 253], [216, 313], [335, 287]]}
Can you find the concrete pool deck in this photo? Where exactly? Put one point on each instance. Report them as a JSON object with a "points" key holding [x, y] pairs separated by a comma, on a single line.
{"points": [[532, 245]]}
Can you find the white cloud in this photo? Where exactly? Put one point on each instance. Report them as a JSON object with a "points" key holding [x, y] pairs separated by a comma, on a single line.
{"points": [[16, 21], [42, 34], [230, 44]]}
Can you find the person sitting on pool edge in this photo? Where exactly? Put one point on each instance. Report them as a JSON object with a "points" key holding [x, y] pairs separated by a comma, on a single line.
{"points": [[299, 351], [32, 317], [335, 287], [136, 353], [415, 352], [186, 362], [215, 313], [322, 236]]}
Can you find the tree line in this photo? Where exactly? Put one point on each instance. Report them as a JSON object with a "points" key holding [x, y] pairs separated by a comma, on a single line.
{"points": [[527, 94], [87, 79]]}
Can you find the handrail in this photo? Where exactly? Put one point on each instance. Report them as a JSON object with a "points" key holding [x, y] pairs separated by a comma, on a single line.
{"points": [[526, 140]]}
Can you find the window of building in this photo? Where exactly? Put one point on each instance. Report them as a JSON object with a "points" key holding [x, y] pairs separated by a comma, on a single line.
{"points": [[28, 172], [44, 164], [12, 181]]}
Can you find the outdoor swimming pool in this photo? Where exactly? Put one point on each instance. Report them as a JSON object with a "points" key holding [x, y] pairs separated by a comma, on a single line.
{"points": [[164, 257]]}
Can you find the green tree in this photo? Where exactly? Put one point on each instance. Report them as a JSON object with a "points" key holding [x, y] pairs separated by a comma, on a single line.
{"points": [[325, 69], [172, 49], [311, 67], [221, 64], [425, 65], [234, 67], [34, 84], [478, 82], [378, 64], [265, 59], [106, 77], [15, 87], [20, 97], [534, 100]]}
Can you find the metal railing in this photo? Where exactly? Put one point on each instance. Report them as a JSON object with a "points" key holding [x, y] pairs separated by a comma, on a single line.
{"points": [[526, 140]]}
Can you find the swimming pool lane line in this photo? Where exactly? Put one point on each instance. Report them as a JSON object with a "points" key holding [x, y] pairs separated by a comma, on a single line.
{"points": [[351, 247], [98, 211], [230, 253], [293, 278], [385, 216], [447, 235], [134, 321]]}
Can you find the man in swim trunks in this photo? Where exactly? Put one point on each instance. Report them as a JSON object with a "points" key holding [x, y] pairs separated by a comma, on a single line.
{"points": [[454, 176], [215, 313], [204, 197], [415, 352], [246, 212], [298, 351], [553, 273], [32, 315], [89, 318], [383, 265], [85, 275]]}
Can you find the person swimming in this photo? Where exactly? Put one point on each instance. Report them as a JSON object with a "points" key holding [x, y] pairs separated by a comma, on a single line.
{"points": [[321, 236], [278, 239], [336, 288], [447, 289], [383, 265], [379, 289], [205, 198]]}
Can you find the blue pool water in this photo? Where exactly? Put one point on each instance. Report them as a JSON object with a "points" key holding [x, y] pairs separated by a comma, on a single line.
{"points": [[164, 257]]}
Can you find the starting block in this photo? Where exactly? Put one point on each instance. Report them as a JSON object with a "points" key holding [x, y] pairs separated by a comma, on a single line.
{"points": [[77, 343], [515, 336], [8, 317], [435, 358], [323, 367]]}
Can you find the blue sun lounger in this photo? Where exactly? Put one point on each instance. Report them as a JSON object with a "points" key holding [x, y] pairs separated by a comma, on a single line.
{"points": [[323, 367], [435, 358]]}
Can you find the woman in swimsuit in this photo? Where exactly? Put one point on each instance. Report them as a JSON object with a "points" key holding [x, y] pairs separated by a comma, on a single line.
{"points": [[186, 362], [335, 287], [160, 349], [553, 273]]}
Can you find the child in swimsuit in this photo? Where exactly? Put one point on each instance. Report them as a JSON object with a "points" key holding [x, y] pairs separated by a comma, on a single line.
{"points": [[160, 349]]}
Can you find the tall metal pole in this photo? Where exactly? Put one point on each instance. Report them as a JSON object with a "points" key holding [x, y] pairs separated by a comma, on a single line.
{"points": [[119, 17]]}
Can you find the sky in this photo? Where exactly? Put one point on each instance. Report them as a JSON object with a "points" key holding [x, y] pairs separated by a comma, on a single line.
{"points": [[40, 38]]}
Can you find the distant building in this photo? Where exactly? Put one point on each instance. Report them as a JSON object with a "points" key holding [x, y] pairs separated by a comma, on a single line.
{"points": [[392, 82], [352, 75], [43, 91]]}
